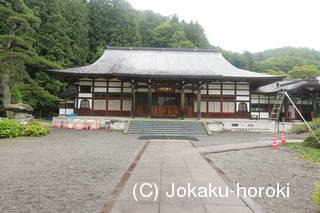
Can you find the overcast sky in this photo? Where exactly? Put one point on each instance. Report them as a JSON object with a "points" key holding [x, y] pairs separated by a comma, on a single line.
{"points": [[252, 25]]}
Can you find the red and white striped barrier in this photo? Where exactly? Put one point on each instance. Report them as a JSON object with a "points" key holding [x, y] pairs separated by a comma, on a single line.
{"points": [[283, 138], [275, 143]]}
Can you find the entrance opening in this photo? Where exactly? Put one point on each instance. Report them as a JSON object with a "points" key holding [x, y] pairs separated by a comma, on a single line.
{"points": [[165, 104]]}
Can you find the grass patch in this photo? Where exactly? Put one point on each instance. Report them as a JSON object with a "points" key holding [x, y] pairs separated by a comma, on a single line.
{"points": [[309, 153], [42, 120]]}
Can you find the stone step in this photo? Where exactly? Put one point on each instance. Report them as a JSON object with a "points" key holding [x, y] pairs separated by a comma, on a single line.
{"points": [[167, 127], [163, 130]]}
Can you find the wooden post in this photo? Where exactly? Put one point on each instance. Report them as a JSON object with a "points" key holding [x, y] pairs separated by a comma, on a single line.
{"points": [[235, 100], [286, 108], [92, 96], [182, 107], [199, 101], [133, 100], [149, 99], [314, 104]]}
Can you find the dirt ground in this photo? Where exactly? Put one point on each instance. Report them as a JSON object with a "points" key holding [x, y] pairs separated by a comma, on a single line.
{"points": [[265, 167], [67, 171]]}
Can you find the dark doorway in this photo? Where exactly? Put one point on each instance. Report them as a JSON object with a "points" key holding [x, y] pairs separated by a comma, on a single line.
{"points": [[142, 104]]}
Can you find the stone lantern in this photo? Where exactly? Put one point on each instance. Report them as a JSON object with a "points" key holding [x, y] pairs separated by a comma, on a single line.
{"points": [[20, 112]]}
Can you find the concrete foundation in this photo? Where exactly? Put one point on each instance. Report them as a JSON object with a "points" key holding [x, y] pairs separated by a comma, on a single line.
{"points": [[213, 125]]}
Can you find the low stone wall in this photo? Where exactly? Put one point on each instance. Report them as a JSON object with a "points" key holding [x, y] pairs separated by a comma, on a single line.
{"points": [[248, 126], [113, 124], [89, 123]]}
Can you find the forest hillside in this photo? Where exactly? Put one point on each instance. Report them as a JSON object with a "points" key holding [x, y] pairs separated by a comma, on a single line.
{"points": [[36, 35]]}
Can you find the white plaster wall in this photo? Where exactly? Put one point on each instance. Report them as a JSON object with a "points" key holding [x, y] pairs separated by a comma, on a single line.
{"points": [[204, 92], [100, 105], [85, 83], [203, 107], [243, 98], [114, 105], [243, 92], [240, 86], [228, 92], [115, 84], [127, 90], [65, 111], [85, 95], [214, 86], [214, 107], [214, 92], [228, 86], [102, 84], [126, 105], [115, 90], [100, 89]]}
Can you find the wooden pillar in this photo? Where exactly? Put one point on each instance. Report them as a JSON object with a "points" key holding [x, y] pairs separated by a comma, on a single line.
{"points": [[314, 106], [182, 106], [199, 101], [133, 100], [77, 97], [235, 100], [92, 96], [286, 109], [149, 99]]}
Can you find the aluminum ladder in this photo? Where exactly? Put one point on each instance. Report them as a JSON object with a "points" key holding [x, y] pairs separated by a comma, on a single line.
{"points": [[276, 109]]}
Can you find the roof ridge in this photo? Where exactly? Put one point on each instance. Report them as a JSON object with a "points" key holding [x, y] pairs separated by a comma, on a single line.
{"points": [[161, 49]]}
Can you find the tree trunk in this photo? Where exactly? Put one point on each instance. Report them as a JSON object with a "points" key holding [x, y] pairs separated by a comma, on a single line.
{"points": [[5, 88]]}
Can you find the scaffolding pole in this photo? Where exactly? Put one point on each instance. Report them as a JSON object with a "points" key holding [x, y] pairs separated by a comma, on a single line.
{"points": [[304, 120]]}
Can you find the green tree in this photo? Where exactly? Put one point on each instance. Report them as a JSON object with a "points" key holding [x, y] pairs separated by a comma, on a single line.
{"points": [[16, 45], [195, 33], [274, 72], [112, 24], [75, 13], [147, 21], [51, 38], [306, 71], [171, 34], [249, 61]]}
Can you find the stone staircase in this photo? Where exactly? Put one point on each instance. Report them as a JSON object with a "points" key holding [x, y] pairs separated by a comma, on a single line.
{"points": [[167, 127]]}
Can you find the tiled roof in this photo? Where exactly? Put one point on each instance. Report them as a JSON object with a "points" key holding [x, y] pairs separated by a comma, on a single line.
{"points": [[120, 61]]}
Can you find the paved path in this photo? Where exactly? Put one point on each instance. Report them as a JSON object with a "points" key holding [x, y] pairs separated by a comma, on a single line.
{"points": [[166, 162]]}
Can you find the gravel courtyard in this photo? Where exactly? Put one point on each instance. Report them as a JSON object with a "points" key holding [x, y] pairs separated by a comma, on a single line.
{"points": [[66, 171], [75, 170], [266, 167]]}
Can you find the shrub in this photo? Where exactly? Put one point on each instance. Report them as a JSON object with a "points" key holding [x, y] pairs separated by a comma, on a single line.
{"points": [[311, 140], [316, 196], [9, 129], [34, 129], [302, 128]]}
